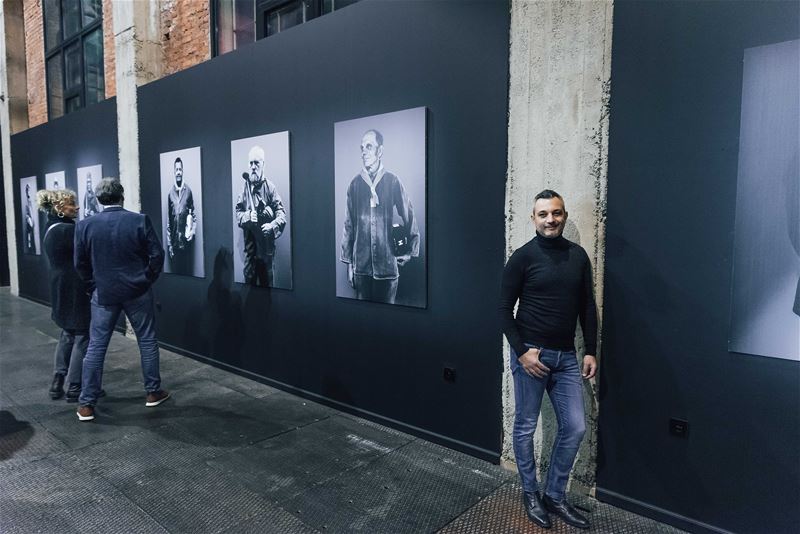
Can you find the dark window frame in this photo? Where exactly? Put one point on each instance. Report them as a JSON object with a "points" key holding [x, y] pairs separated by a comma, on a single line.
{"points": [[59, 50], [313, 9]]}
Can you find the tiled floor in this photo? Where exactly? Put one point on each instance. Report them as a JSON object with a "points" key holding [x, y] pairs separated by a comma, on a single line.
{"points": [[227, 455]]}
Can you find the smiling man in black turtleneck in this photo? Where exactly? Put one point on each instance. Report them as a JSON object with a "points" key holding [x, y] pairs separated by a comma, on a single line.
{"points": [[551, 278]]}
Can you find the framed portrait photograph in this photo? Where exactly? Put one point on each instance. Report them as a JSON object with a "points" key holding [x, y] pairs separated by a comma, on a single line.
{"points": [[261, 210], [88, 178], [182, 212], [29, 216], [55, 180], [380, 178], [765, 293]]}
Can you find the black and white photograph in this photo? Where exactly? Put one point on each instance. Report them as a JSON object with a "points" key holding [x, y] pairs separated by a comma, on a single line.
{"points": [[88, 178], [765, 315], [261, 207], [55, 180], [182, 212], [380, 208], [29, 216]]}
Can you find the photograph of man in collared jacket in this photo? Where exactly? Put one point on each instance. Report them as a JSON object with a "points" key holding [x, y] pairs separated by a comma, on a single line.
{"points": [[380, 232]]}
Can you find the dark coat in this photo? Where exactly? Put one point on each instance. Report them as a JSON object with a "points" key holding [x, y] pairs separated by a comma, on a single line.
{"points": [[68, 295], [117, 253]]}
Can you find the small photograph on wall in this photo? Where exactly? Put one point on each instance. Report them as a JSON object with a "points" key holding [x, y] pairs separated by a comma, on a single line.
{"points": [[88, 178], [182, 212], [765, 314], [261, 209], [29, 216], [380, 208], [55, 180]]}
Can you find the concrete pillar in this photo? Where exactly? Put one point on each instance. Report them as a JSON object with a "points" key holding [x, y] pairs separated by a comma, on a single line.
{"points": [[139, 59], [13, 113], [558, 139]]}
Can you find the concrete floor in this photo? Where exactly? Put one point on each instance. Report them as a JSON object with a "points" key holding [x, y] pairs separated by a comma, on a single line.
{"points": [[227, 455]]}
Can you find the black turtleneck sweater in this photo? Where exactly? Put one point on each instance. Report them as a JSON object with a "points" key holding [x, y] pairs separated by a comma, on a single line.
{"points": [[552, 279]]}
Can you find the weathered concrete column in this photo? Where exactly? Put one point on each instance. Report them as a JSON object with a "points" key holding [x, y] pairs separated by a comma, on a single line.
{"points": [[13, 113], [557, 138], [139, 59]]}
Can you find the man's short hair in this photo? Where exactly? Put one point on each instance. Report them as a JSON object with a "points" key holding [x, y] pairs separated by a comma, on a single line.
{"points": [[378, 136], [177, 160], [547, 193], [109, 191]]}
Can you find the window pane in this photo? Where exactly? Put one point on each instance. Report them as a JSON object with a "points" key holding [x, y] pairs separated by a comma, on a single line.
{"points": [[73, 104], [52, 22], [272, 23], [224, 26], [327, 6], [72, 66], [92, 10], [55, 89], [339, 4], [93, 63], [284, 18], [72, 17], [244, 22], [291, 15]]}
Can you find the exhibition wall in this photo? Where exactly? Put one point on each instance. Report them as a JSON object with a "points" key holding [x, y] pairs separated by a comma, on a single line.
{"points": [[376, 359], [681, 121], [81, 139]]}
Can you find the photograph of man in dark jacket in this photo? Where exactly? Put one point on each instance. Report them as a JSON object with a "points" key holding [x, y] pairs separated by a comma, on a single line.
{"points": [[262, 218], [181, 224]]}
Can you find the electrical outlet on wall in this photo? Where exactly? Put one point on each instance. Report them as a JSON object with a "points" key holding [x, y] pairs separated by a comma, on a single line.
{"points": [[679, 427]]}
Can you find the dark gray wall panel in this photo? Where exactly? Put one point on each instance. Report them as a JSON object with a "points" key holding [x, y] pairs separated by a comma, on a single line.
{"points": [[673, 156], [86, 137], [369, 58], [4, 272]]}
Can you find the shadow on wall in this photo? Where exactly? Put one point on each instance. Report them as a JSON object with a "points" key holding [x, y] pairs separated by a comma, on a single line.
{"points": [[223, 322]]}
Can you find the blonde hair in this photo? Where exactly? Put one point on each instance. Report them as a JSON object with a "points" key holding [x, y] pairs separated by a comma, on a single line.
{"points": [[52, 201]]}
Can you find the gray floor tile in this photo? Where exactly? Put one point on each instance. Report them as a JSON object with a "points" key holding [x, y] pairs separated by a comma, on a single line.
{"points": [[288, 464], [206, 502], [23, 441], [418, 488], [48, 496]]}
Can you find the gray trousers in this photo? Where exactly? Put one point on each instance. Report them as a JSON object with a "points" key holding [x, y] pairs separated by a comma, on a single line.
{"points": [[69, 355]]}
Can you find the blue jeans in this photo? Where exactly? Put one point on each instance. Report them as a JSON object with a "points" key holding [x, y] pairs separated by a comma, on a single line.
{"points": [[564, 386], [142, 317]]}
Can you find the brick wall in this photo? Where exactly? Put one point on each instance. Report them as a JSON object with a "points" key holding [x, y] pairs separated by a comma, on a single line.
{"points": [[185, 31], [185, 26], [108, 49], [34, 62]]}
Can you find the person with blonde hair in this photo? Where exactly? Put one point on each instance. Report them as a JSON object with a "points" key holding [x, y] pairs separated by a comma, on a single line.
{"points": [[68, 294]]}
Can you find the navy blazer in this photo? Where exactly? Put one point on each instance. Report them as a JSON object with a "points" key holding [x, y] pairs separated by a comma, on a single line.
{"points": [[117, 253]]}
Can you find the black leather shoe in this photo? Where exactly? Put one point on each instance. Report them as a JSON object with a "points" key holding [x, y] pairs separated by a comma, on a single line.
{"points": [[567, 513], [535, 509], [57, 388], [73, 393]]}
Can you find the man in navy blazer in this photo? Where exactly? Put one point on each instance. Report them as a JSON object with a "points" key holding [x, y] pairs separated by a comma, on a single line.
{"points": [[118, 256]]}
